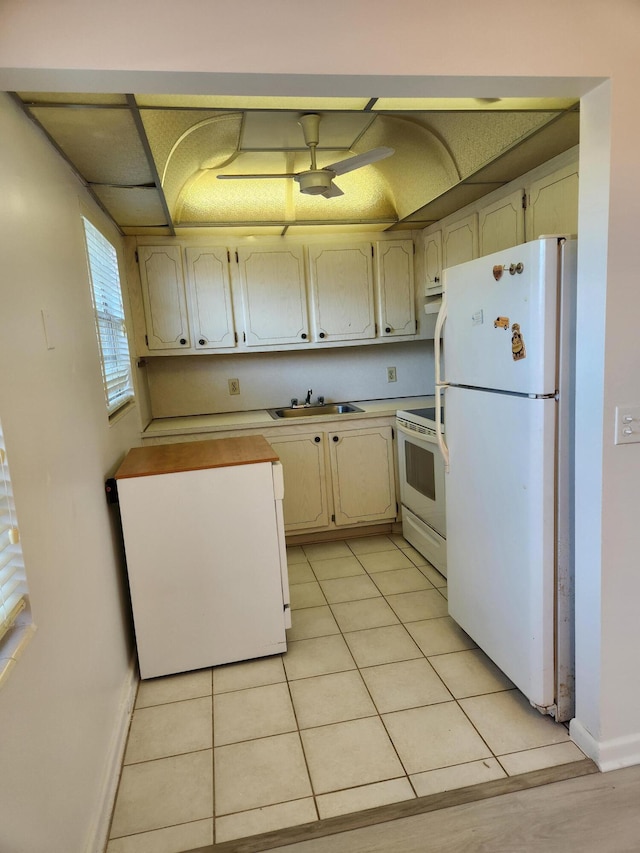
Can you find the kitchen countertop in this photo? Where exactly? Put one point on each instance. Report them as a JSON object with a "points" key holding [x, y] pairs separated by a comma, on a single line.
{"points": [[225, 421], [195, 456]]}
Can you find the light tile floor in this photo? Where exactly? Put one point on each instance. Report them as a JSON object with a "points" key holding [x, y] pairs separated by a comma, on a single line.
{"points": [[380, 698]]}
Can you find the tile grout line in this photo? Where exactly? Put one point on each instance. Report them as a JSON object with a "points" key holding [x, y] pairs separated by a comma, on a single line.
{"points": [[378, 714], [403, 623]]}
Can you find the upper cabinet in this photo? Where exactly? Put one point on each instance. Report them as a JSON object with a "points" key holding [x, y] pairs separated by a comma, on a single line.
{"points": [[164, 298], [341, 280], [501, 224], [553, 204], [542, 202], [433, 263], [268, 296], [460, 241], [210, 295], [274, 301], [396, 290]]}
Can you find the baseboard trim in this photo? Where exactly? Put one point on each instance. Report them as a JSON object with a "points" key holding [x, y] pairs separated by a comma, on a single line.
{"points": [[611, 754], [99, 833]]}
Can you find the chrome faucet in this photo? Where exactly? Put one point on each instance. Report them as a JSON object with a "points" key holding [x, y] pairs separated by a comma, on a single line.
{"points": [[307, 399]]}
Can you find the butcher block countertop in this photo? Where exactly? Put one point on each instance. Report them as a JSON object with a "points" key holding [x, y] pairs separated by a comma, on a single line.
{"points": [[195, 456]]}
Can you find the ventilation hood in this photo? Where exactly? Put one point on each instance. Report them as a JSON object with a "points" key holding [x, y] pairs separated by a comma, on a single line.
{"points": [[153, 162]]}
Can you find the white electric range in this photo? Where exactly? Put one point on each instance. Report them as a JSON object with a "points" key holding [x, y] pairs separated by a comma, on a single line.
{"points": [[421, 472]]}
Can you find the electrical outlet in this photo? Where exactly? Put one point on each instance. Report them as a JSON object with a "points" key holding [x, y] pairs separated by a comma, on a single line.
{"points": [[391, 374], [234, 386]]}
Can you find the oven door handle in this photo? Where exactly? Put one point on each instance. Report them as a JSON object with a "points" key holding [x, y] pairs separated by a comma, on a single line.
{"points": [[440, 385]]}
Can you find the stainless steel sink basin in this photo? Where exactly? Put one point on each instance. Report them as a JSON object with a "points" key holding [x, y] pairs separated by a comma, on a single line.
{"points": [[309, 411]]}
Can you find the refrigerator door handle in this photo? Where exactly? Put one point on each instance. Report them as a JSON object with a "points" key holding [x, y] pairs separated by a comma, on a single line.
{"points": [[440, 385]]}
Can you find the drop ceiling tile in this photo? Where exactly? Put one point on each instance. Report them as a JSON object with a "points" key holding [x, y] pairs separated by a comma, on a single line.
{"points": [[102, 144], [151, 231], [71, 98], [231, 231], [338, 228], [131, 206], [280, 130], [548, 142], [472, 104], [235, 102], [452, 200]]}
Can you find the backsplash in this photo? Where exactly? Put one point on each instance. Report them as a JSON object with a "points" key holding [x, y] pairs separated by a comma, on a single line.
{"points": [[192, 385]]}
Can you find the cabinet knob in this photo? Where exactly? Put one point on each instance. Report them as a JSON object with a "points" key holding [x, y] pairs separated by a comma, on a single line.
{"points": [[183, 341], [304, 336], [322, 335], [387, 329], [202, 342], [317, 439], [335, 438]]}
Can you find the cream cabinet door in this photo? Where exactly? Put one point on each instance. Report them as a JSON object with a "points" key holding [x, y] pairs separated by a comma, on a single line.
{"points": [[305, 484], [342, 292], [553, 204], [433, 263], [501, 224], [164, 297], [210, 293], [460, 241], [274, 297], [395, 288], [363, 475]]}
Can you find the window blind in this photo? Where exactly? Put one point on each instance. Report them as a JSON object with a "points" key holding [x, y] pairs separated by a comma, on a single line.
{"points": [[13, 583], [109, 313]]}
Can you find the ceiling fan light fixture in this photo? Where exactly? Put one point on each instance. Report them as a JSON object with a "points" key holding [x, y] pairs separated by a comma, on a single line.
{"points": [[315, 181]]}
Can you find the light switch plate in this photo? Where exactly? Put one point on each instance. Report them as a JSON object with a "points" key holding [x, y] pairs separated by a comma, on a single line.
{"points": [[627, 424]]}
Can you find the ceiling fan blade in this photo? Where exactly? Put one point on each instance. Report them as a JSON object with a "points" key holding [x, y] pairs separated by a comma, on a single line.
{"points": [[333, 192], [252, 177], [359, 160]]}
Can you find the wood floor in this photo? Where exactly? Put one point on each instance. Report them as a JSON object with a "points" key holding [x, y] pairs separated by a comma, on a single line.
{"points": [[598, 813], [593, 813]]}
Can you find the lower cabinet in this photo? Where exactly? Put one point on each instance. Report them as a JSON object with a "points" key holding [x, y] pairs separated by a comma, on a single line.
{"points": [[303, 457], [337, 477], [362, 475]]}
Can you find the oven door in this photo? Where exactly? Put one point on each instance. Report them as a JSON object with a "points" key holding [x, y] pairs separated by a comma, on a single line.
{"points": [[421, 472]]}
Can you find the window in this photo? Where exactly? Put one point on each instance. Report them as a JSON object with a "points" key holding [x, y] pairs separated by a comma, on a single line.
{"points": [[15, 618], [13, 588], [110, 326]]}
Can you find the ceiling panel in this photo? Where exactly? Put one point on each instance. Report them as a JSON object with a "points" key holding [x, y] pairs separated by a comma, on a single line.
{"points": [[275, 131], [153, 160], [472, 104], [147, 231], [131, 206], [72, 98], [233, 102], [103, 144], [452, 200]]}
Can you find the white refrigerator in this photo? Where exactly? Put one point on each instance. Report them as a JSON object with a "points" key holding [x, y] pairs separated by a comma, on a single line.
{"points": [[507, 383]]}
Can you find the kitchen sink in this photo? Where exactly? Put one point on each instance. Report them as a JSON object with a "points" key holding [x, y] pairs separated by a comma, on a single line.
{"points": [[308, 411]]}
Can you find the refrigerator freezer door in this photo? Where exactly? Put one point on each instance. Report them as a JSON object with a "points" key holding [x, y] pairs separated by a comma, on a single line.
{"points": [[501, 332], [501, 531]]}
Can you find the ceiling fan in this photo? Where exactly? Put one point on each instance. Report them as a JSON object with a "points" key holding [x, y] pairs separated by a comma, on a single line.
{"points": [[316, 181]]}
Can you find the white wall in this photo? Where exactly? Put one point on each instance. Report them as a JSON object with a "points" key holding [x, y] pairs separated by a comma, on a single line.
{"points": [[414, 47], [62, 705], [192, 385]]}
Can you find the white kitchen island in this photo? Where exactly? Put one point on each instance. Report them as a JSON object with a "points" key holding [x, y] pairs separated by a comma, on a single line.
{"points": [[206, 560]]}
